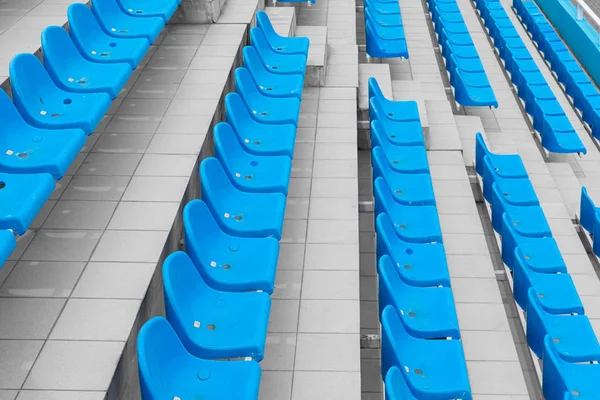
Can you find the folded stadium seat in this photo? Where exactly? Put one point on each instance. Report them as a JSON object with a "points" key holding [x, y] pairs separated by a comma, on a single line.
{"points": [[168, 371], [150, 8], [264, 109], [385, 20], [119, 24], [528, 221], [25, 149], [525, 71], [275, 62], [541, 254], [396, 387], [210, 323], [560, 376], [239, 213], [589, 219], [228, 263], [572, 334], [515, 59], [71, 72], [95, 45], [270, 84], [413, 224], [418, 264], [556, 291], [426, 313], [248, 172], [388, 33], [7, 244], [433, 369], [587, 98], [278, 43], [473, 89], [405, 159], [515, 190], [401, 111], [504, 165], [44, 105], [21, 198], [409, 189], [379, 46], [257, 138], [383, 8], [574, 79]]}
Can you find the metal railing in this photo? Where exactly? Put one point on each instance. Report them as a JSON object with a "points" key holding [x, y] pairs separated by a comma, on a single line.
{"points": [[585, 11]]}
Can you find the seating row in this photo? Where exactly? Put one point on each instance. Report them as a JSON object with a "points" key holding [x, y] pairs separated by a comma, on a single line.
{"points": [[558, 331], [384, 30], [60, 102], [467, 75], [577, 85], [549, 119], [422, 355], [217, 292]]}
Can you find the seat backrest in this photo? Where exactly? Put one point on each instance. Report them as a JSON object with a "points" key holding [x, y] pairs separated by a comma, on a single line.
{"points": [[58, 51], [245, 85], [380, 163], [105, 11], [481, 150], [499, 206], [510, 240], [553, 385], [238, 115], [264, 24], [387, 239], [11, 118], [587, 214], [253, 63], [378, 136], [83, 26], [216, 186], [396, 387], [383, 196], [260, 43], [183, 286], [389, 283], [201, 233], [28, 80], [227, 146], [395, 340], [375, 89], [160, 352]]}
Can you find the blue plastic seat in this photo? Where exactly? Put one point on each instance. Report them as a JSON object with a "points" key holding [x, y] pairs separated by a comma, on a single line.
{"points": [[275, 62], [8, 243], [588, 211], [504, 165], [21, 198], [413, 224], [397, 134], [409, 189], [383, 8], [249, 172], [25, 149], [210, 323], [561, 376], [425, 312], [150, 8], [281, 44], [433, 369], [389, 20], [405, 159], [95, 45], [556, 292], [270, 84], [527, 221], [418, 264], [168, 371], [266, 110], [572, 334], [401, 111], [257, 138], [541, 254], [44, 105], [239, 213], [71, 72], [396, 387], [516, 191], [379, 46], [119, 24], [228, 263]]}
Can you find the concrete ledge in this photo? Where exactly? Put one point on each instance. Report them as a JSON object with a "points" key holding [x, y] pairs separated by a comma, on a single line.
{"points": [[316, 67]]}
